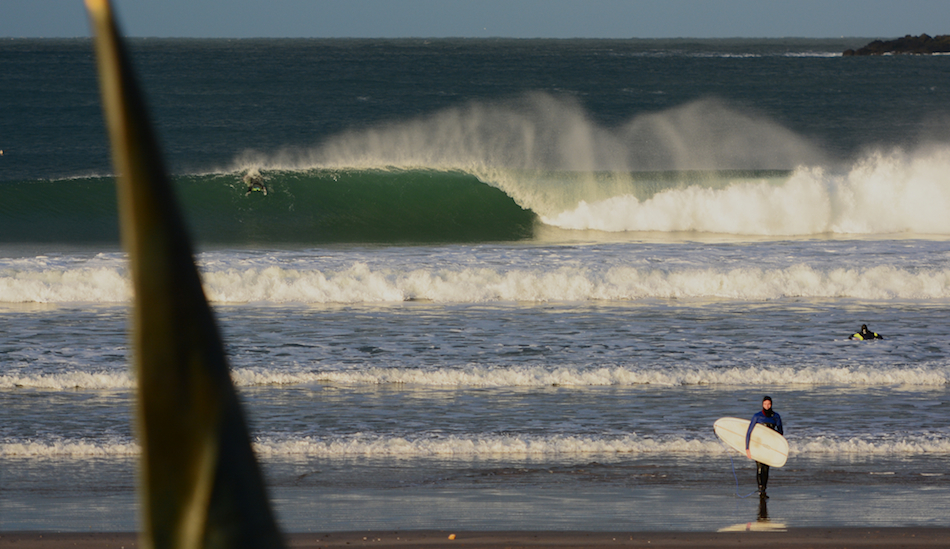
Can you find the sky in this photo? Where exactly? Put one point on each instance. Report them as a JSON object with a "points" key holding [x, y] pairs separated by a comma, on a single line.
{"points": [[487, 18]]}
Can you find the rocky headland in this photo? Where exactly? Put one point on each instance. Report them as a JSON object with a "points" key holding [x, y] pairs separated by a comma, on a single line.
{"points": [[915, 45]]}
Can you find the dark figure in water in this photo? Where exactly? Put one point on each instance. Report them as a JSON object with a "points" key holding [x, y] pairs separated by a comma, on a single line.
{"points": [[772, 420], [255, 184], [864, 333]]}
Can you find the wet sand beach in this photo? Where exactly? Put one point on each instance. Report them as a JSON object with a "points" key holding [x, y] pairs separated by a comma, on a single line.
{"points": [[794, 538]]}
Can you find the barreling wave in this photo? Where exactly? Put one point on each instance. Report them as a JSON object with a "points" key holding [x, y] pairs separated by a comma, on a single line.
{"points": [[35, 281], [498, 171], [883, 194], [701, 167], [304, 206], [934, 375], [488, 446]]}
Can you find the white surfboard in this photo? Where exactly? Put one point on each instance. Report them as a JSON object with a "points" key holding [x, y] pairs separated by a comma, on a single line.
{"points": [[766, 445]]}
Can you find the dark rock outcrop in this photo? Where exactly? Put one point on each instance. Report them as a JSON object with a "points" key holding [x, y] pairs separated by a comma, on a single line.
{"points": [[918, 45]]}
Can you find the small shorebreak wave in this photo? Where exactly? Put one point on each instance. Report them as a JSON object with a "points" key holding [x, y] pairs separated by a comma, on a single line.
{"points": [[528, 376], [488, 446], [106, 281]]}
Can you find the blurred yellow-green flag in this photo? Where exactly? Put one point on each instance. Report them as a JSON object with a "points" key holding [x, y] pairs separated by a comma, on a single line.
{"points": [[200, 482]]}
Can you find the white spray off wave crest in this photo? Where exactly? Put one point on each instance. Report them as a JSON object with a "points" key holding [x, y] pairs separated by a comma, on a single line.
{"points": [[549, 156], [882, 194]]}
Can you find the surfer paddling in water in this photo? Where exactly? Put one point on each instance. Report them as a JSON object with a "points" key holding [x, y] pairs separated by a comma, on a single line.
{"points": [[772, 420], [864, 334]]}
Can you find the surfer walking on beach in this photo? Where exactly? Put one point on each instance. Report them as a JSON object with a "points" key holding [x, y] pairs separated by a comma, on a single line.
{"points": [[772, 420]]}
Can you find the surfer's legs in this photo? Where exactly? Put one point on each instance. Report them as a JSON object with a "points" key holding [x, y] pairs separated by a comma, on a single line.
{"points": [[762, 476]]}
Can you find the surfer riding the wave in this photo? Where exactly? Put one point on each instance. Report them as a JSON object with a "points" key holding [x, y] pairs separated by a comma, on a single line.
{"points": [[772, 420], [255, 183], [864, 334]]}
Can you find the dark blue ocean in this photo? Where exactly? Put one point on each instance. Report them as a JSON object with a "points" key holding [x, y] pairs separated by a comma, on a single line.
{"points": [[499, 284]]}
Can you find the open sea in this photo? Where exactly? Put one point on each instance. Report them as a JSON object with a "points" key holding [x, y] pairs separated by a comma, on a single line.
{"points": [[499, 284]]}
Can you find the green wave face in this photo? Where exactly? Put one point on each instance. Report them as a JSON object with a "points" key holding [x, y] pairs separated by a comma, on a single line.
{"points": [[313, 206], [74, 210]]}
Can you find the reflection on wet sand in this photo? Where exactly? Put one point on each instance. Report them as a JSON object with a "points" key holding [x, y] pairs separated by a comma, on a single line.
{"points": [[762, 523]]}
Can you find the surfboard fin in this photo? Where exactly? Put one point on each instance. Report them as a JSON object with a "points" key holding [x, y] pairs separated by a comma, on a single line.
{"points": [[200, 483]]}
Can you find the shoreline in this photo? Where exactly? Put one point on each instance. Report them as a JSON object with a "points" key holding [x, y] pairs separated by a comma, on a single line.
{"points": [[522, 508], [792, 538]]}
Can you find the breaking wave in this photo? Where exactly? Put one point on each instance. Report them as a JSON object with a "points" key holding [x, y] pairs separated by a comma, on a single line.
{"points": [[530, 376], [494, 446], [35, 281]]}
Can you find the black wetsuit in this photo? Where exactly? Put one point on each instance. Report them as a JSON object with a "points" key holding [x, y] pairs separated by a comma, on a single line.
{"points": [[773, 421], [865, 334]]}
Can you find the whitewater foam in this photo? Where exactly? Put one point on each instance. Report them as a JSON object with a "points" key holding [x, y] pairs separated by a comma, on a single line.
{"points": [[547, 446], [538, 376], [881, 194], [96, 285], [70, 449], [494, 446], [528, 376], [365, 283], [906, 446], [69, 380]]}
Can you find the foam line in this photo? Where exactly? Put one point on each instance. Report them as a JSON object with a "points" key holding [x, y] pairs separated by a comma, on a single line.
{"points": [[934, 375], [363, 283], [496, 446]]}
